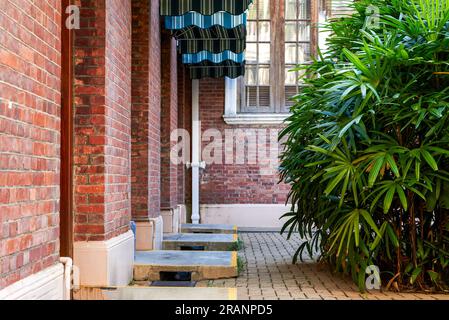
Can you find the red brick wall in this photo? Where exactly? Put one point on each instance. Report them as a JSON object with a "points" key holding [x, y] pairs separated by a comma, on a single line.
{"points": [[233, 183], [169, 120], [184, 122], [146, 108], [102, 120], [155, 111], [30, 63]]}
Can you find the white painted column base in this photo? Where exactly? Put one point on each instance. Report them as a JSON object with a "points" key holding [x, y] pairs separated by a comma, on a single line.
{"points": [[171, 218], [182, 214], [149, 234], [105, 263], [47, 284]]}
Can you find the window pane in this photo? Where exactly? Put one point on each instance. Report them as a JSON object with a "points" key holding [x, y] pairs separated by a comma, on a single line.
{"points": [[290, 31], [303, 53], [264, 31], [250, 75], [264, 9], [304, 9], [304, 32], [264, 52], [264, 75], [290, 53], [251, 53], [290, 76], [290, 9], [251, 31]]}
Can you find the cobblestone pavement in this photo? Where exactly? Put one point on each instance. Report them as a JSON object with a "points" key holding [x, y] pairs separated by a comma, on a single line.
{"points": [[269, 274]]}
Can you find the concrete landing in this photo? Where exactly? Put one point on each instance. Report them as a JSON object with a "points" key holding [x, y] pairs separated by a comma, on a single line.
{"points": [[209, 228], [174, 293], [203, 265], [206, 242]]}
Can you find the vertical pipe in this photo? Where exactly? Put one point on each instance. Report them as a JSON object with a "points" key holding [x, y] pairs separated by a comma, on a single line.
{"points": [[196, 149]]}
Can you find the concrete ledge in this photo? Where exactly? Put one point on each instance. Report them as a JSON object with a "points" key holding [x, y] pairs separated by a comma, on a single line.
{"points": [[210, 242], [244, 215], [209, 228], [105, 263], [203, 265], [158, 293], [45, 285]]}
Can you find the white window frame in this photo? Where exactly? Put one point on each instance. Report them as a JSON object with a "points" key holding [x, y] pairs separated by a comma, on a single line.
{"points": [[232, 114], [233, 117]]}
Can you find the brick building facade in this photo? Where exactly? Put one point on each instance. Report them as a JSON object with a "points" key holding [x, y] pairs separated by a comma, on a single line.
{"points": [[130, 92]]}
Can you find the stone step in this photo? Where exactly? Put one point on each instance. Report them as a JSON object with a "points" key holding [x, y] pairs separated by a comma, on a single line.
{"points": [[209, 228], [172, 293], [203, 265], [200, 241]]}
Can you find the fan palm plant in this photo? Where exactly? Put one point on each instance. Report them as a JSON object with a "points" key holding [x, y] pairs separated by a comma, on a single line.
{"points": [[367, 146]]}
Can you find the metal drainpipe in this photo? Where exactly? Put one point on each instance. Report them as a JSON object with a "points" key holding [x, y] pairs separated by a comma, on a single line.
{"points": [[196, 163]]}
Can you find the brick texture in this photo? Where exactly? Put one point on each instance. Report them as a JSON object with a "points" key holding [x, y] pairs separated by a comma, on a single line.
{"points": [[102, 155], [234, 183], [30, 70], [184, 122], [169, 120], [146, 109]]}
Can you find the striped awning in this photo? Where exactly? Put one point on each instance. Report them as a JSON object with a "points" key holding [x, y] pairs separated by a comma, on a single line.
{"points": [[190, 19], [211, 35], [215, 32], [213, 46], [216, 70], [204, 7], [213, 57]]}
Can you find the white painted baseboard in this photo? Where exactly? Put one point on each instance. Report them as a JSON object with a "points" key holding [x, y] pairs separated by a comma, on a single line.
{"points": [[47, 284], [251, 216], [105, 263]]}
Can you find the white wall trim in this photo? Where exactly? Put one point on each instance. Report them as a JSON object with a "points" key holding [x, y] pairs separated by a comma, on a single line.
{"points": [[256, 119], [105, 263], [47, 284], [252, 216]]}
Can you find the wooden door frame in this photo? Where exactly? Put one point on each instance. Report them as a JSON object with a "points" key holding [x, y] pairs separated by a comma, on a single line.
{"points": [[66, 185]]}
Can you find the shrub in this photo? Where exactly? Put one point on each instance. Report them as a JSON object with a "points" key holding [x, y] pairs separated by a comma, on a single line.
{"points": [[366, 147]]}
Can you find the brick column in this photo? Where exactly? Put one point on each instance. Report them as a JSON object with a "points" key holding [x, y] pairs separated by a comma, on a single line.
{"points": [[169, 122], [184, 122], [146, 119], [102, 151]]}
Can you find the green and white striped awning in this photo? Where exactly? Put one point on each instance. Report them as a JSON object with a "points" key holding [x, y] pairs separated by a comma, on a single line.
{"points": [[204, 7]]}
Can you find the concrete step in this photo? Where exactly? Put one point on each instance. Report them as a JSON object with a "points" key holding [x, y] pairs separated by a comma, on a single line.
{"points": [[206, 242], [209, 228], [202, 265], [172, 293]]}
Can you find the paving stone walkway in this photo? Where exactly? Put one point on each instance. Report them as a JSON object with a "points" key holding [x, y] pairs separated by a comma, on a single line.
{"points": [[270, 275]]}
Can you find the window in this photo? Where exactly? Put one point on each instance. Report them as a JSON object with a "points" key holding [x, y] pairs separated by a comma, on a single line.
{"points": [[279, 37]]}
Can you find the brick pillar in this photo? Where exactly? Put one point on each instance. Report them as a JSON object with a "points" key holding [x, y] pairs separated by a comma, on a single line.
{"points": [[169, 122], [184, 122], [102, 150], [146, 119]]}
